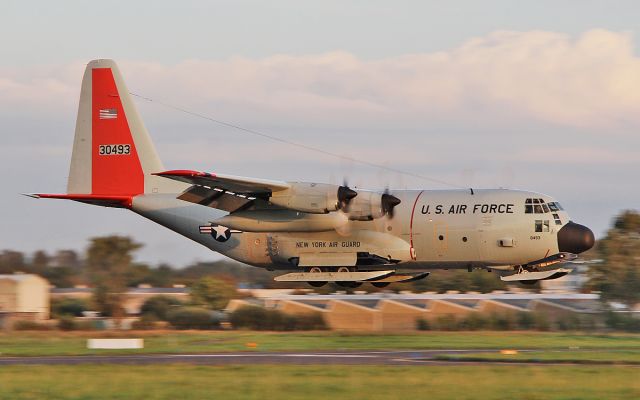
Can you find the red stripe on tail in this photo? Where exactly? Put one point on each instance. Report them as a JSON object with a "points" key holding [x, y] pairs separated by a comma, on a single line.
{"points": [[113, 172]]}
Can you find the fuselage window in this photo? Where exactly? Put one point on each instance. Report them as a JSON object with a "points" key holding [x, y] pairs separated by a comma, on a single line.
{"points": [[556, 218], [542, 225], [538, 225]]}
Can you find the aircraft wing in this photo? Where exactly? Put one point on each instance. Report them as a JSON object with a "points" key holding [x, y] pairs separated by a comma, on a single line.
{"points": [[226, 192], [237, 184]]}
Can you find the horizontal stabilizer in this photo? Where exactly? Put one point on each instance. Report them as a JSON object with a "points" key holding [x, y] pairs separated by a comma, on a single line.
{"points": [[98, 200]]}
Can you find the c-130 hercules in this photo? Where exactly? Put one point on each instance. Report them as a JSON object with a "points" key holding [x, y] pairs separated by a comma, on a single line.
{"points": [[315, 232]]}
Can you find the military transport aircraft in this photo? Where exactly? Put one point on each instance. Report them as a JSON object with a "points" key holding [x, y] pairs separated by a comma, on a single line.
{"points": [[313, 232]]}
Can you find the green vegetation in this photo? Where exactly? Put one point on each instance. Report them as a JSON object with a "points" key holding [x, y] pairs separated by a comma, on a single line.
{"points": [[617, 277], [69, 323], [317, 382], [261, 319], [192, 318], [212, 293], [526, 321], [109, 261], [70, 343], [158, 306], [68, 306], [32, 326]]}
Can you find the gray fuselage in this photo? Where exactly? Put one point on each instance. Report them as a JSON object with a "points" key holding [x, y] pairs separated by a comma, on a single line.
{"points": [[429, 229]]}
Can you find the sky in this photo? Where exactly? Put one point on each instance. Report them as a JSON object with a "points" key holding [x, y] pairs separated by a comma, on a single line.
{"points": [[541, 96]]}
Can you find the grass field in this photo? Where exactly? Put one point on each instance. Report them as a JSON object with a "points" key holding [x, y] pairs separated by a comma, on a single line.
{"points": [[317, 382], [309, 382], [74, 343]]}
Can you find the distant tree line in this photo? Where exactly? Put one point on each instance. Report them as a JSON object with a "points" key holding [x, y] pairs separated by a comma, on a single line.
{"points": [[617, 277], [68, 268]]}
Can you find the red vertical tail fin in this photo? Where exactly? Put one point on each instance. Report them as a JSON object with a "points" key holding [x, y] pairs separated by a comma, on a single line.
{"points": [[112, 151]]}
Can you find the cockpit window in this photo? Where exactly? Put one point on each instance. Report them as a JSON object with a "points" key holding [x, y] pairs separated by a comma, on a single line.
{"points": [[555, 206], [539, 206]]}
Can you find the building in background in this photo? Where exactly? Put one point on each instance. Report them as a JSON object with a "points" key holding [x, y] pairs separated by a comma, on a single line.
{"points": [[383, 311], [400, 311], [23, 297]]}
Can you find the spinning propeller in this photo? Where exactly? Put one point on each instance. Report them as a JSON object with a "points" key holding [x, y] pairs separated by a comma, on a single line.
{"points": [[389, 202], [345, 195]]}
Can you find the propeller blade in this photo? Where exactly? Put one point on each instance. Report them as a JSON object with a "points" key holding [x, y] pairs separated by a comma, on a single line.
{"points": [[389, 202], [345, 195]]}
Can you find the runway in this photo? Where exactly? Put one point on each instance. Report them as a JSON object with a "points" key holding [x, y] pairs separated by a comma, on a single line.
{"points": [[407, 357], [410, 357]]}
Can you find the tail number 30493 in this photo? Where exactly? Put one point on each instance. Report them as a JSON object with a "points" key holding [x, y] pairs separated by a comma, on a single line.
{"points": [[114, 149]]}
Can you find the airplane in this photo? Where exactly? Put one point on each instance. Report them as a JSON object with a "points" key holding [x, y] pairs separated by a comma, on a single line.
{"points": [[312, 232]]}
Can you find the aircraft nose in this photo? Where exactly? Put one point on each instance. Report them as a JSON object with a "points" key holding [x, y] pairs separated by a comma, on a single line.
{"points": [[575, 238]]}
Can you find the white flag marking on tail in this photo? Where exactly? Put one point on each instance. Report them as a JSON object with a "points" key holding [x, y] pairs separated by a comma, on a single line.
{"points": [[108, 113]]}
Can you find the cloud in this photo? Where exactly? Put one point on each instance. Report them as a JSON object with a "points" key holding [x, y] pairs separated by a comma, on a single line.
{"points": [[592, 81]]}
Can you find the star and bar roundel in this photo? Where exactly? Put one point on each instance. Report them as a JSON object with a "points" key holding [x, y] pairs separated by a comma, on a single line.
{"points": [[220, 233]]}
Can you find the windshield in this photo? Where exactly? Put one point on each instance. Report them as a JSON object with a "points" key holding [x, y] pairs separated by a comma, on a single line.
{"points": [[539, 206]]}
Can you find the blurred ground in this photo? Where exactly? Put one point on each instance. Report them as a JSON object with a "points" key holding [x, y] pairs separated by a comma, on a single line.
{"points": [[246, 382], [318, 365]]}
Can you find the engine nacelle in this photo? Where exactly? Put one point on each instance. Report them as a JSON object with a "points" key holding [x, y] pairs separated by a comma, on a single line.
{"points": [[323, 198], [365, 206], [316, 198], [369, 205]]}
